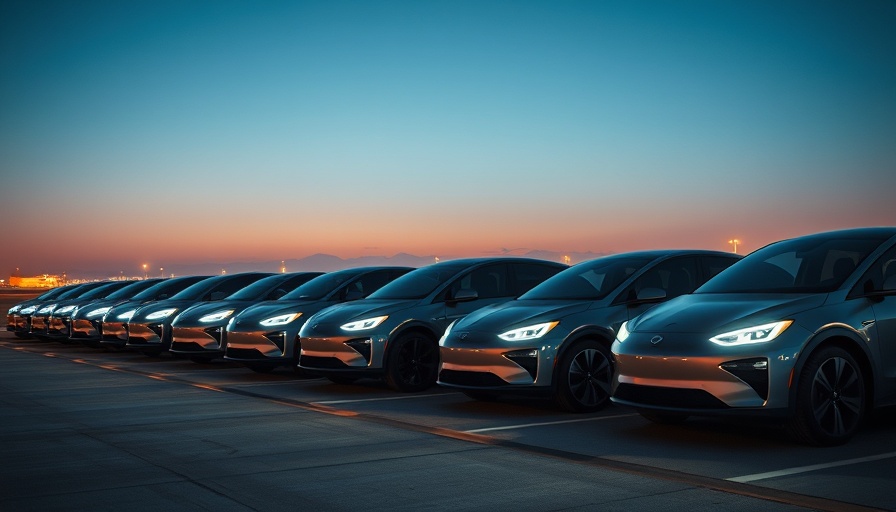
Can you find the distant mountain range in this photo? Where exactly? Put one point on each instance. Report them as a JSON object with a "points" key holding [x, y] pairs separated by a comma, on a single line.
{"points": [[328, 263]]}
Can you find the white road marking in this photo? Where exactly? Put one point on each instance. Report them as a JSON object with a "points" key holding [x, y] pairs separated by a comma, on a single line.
{"points": [[527, 425], [403, 397], [806, 469]]}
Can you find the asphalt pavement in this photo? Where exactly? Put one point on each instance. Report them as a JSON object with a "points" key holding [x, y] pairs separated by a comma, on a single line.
{"points": [[77, 435]]}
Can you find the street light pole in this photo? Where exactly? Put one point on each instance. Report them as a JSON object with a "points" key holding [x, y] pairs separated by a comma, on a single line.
{"points": [[734, 241]]}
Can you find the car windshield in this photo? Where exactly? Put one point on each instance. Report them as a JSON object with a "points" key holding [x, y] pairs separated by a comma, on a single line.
{"points": [[804, 265], [321, 286], [101, 291], [167, 287], [591, 280], [197, 290], [259, 289], [419, 283], [129, 290]]}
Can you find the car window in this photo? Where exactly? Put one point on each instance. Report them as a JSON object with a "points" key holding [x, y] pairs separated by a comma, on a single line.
{"points": [[676, 276], [421, 282], [489, 282], [803, 265], [712, 265], [230, 286], [529, 275], [168, 288], [880, 277], [367, 284], [591, 280]]}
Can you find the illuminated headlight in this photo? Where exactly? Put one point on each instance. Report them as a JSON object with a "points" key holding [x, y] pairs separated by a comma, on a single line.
{"points": [[65, 309], [623, 332], [280, 320], [14, 308], [98, 312], [363, 325], [217, 317], [758, 334], [46, 309], [28, 310], [162, 313], [127, 315], [530, 332]]}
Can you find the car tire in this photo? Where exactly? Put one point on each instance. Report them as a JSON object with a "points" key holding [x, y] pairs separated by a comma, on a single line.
{"points": [[413, 363], [585, 374], [830, 399]]}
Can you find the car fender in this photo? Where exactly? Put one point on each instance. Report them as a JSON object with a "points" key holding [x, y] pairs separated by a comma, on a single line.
{"points": [[599, 333], [839, 334]]}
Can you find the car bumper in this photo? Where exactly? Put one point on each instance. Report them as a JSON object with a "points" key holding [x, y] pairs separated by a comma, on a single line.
{"points": [[197, 340]]}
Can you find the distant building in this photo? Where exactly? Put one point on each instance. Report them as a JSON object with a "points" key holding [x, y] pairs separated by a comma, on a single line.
{"points": [[44, 281]]}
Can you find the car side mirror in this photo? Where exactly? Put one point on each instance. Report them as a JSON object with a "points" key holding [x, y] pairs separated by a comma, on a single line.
{"points": [[465, 295], [353, 295], [646, 295]]}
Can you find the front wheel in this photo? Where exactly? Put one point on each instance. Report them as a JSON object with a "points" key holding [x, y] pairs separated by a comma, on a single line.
{"points": [[585, 376], [413, 363], [830, 399]]}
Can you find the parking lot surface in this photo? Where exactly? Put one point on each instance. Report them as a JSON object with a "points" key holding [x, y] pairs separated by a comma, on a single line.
{"points": [[88, 429]]}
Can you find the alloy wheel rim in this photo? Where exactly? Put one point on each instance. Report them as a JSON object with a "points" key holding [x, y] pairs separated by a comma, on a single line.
{"points": [[836, 396], [589, 377], [415, 365]]}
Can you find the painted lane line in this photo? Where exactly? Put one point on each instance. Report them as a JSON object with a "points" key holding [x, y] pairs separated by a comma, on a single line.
{"points": [[404, 397], [527, 425], [814, 467]]}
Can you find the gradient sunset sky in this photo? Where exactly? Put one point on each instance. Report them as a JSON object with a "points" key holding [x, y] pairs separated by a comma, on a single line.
{"points": [[179, 131]]}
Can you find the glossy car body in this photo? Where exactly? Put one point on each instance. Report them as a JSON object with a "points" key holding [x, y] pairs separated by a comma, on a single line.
{"points": [[199, 331], [84, 323], [149, 329], [113, 326], [554, 340], [394, 332], [19, 323], [802, 329], [265, 335], [60, 319], [39, 320]]}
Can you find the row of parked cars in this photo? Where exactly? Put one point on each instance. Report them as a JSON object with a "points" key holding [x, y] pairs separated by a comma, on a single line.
{"points": [[802, 330]]}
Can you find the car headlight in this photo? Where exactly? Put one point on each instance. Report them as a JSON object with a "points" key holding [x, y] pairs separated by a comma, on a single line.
{"points": [[98, 312], [758, 334], [65, 309], [530, 332], [623, 332], [127, 315], [46, 309], [28, 310], [280, 319], [363, 325], [217, 317], [162, 313], [14, 308]]}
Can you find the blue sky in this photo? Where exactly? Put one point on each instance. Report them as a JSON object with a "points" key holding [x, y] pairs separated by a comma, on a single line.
{"points": [[190, 131]]}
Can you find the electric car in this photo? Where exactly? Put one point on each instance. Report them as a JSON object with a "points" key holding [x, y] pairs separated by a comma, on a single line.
{"points": [[554, 340], [394, 332], [803, 330]]}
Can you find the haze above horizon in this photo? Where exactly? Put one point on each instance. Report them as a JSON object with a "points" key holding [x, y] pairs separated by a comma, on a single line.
{"points": [[173, 132]]}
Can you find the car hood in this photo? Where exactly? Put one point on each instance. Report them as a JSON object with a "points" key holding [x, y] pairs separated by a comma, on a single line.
{"points": [[272, 308], [150, 308], [709, 312], [192, 314], [516, 313], [358, 310]]}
